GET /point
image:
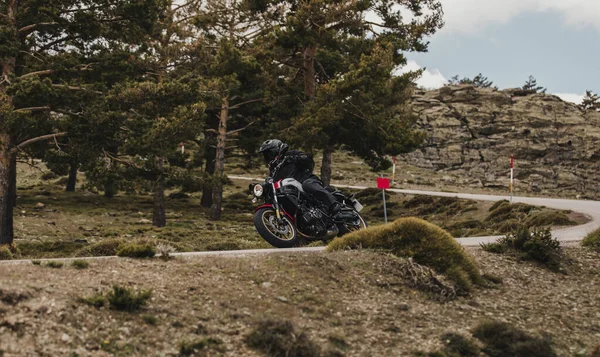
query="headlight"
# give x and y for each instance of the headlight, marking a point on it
(258, 190)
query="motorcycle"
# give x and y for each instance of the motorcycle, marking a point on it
(290, 216)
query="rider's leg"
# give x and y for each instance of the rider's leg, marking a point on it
(315, 187)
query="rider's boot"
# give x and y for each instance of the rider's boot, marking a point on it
(335, 210)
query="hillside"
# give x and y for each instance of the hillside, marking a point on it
(353, 303)
(471, 133)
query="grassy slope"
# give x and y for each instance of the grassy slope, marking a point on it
(68, 222)
(356, 297)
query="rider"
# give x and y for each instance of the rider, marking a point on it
(284, 163)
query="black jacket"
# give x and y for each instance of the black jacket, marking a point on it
(294, 164)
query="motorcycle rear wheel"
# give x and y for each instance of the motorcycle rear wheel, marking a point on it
(281, 234)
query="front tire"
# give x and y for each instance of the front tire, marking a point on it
(281, 234)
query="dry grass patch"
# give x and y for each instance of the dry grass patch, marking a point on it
(279, 338)
(592, 240)
(424, 242)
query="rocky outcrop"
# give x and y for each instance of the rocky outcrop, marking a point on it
(471, 133)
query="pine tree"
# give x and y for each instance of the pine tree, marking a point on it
(591, 101)
(48, 53)
(531, 85)
(322, 42)
(479, 81)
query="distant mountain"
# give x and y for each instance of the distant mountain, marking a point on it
(473, 131)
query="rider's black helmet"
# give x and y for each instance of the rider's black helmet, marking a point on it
(272, 148)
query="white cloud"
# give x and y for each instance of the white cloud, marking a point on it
(570, 97)
(470, 16)
(430, 79)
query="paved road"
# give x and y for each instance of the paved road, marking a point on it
(590, 208)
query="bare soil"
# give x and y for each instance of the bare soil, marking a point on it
(356, 297)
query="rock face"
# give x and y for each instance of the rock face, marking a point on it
(471, 133)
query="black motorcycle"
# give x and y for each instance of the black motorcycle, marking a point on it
(290, 216)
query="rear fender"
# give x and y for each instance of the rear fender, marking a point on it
(268, 205)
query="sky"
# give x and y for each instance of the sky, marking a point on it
(556, 41)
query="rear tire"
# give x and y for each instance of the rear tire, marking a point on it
(280, 236)
(345, 228)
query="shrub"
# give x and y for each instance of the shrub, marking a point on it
(165, 250)
(96, 300)
(36, 262)
(135, 250)
(549, 218)
(280, 339)
(504, 340)
(106, 247)
(124, 299)
(55, 264)
(80, 264)
(190, 348)
(592, 240)
(538, 246)
(498, 204)
(5, 253)
(426, 243)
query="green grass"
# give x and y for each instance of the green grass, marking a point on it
(125, 299)
(55, 264)
(135, 250)
(592, 240)
(504, 340)
(80, 264)
(426, 243)
(97, 300)
(200, 347)
(279, 338)
(5, 253)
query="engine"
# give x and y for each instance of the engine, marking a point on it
(311, 222)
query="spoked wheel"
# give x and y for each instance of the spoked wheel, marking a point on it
(279, 233)
(357, 224)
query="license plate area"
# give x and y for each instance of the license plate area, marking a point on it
(357, 206)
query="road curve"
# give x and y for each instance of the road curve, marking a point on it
(577, 233)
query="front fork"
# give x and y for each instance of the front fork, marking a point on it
(276, 203)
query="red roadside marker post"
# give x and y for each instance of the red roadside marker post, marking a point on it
(383, 184)
(512, 168)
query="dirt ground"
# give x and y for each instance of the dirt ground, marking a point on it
(355, 302)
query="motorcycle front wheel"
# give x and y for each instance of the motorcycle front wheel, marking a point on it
(279, 233)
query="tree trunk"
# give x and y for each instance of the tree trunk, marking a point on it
(110, 188)
(309, 72)
(326, 166)
(6, 199)
(159, 219)
(207, 191)
(13, 179)
(215, 213)
(72, 180)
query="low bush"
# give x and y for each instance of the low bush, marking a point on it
(136, 250)
(97, 300)
(498, 204)
(549, 218)
(5, 253)
(150, 319)
(106, 247)
(202, 345)
(280, 339)
(80, 264)
(592, 240)
(538, 246)
(501, 339)
(125, 299)
(415, 238)
(55, 264)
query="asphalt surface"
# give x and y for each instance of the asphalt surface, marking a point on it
(577, 233)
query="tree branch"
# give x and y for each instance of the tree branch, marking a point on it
(32, 109)
(246, 102)
(33, 26)
(38, 73)
(75, 88)
(238, 130)
(33, 140)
